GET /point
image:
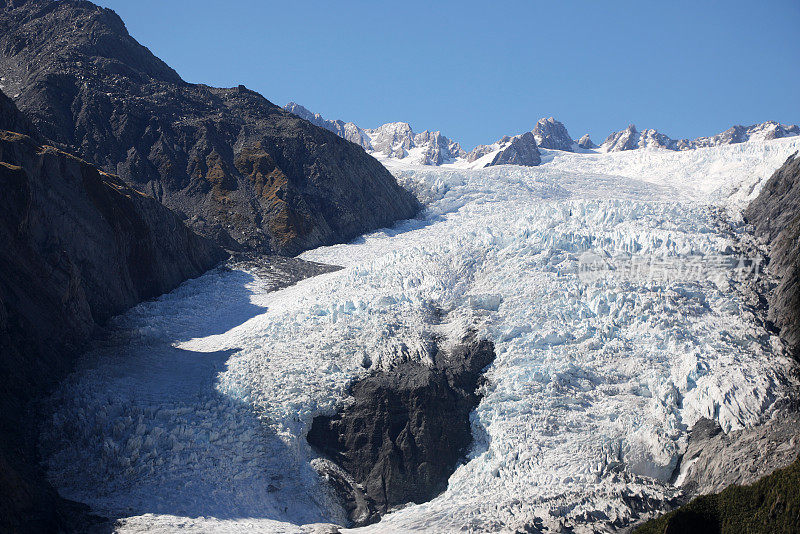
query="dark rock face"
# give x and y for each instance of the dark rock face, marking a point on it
(549, 133)
(242, 170)
(78, 246)
(775, 215)
(405, 431)
(522, 150)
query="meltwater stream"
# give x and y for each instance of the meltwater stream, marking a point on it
(192, 413)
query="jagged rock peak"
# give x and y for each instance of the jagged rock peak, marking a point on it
(396, 140)
(550, 133)
(631, 138)
(627, 139)
(346, 130)
(518, 150)
(586, 142)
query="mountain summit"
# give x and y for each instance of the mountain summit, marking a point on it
(549, 133)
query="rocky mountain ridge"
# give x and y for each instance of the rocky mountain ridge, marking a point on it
(238, 168)
(394, 139)
(397, 140)
(631, 138)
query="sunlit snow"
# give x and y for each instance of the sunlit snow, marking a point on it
(192, 413)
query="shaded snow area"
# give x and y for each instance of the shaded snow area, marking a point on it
(190, 415)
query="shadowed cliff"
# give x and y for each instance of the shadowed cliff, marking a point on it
(78, 247)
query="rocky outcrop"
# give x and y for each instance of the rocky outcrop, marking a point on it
(403, 431)
(714, 460)
(586, 142)
(438, 149)
(549, 133)
(78, 246)
(238, 168)
(775, 216)
(518, 150)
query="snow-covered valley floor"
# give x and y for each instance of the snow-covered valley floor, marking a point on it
(191, 415)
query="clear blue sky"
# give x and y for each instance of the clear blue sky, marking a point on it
(480, 70)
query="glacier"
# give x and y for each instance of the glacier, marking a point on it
(190, 413)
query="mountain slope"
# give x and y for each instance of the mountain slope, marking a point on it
(241, 169)
(775, 215)
(78, 247)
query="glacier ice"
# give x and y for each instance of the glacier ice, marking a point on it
(191, 413)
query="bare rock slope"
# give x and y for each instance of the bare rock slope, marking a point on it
(241, 170)
(775, 215)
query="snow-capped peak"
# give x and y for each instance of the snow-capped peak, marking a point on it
(631, 138)
(627, 139)
(396, 144)
(549, 133)
(395, 140)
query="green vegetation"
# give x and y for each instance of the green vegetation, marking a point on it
(771, 505)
